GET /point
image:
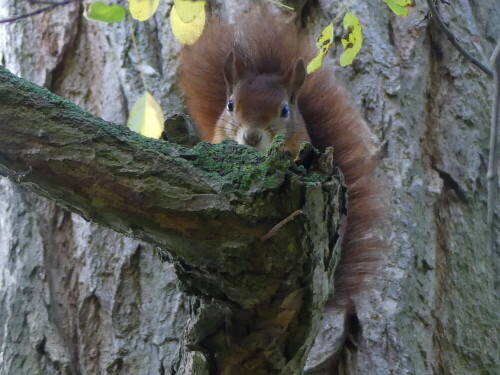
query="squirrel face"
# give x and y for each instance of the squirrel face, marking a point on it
(260, 106)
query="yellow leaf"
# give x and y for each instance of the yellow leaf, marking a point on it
(141, 10)
(146, 117)
(400, 7)
(187, 10)
(353, 41)
(324, 43)
(187, 33)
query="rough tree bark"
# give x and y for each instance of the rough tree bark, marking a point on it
(79, 298)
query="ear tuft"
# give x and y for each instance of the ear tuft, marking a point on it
(232, 71)
(297, 79)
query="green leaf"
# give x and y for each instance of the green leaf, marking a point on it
(187, 10)
(400, 7)
(324, 43)
(187, 32)
(146, 117)
(142, 10)
(353, 41)
(99, 11)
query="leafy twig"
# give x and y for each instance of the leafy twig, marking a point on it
(454, 41)
(492, 175)
(37, 11)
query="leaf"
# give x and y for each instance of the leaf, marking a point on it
(400, 7)
(99, 11)
(351, 42)
(146, 117)
(187, 10)
(142, 10)
(187, 33)
(324, 43)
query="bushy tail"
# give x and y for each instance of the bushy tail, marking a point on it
(269, 44)
(331, 121)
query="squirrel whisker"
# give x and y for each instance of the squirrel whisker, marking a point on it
(231, 122)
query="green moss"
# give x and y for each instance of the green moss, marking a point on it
(243, 168)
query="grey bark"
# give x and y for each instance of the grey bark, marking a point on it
(105, 305)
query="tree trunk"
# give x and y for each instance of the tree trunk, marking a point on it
(78, 298)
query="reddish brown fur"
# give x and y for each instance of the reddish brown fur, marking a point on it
(267, 44)
(258, 93)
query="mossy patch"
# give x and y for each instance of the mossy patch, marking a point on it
(243, 168)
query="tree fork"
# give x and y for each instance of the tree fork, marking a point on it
(258, 302)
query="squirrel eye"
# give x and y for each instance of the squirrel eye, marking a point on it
(230, 105)
(284, 111)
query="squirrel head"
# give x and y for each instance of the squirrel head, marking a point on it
(259, 106)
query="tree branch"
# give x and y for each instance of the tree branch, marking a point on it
(207, 206)
(38, 11)
(454, 41)
(492, 174)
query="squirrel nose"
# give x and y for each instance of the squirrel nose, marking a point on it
(252, 137)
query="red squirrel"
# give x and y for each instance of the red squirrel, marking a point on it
(247, 81)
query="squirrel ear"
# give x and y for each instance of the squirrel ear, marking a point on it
(297, 79)
(232, 71)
